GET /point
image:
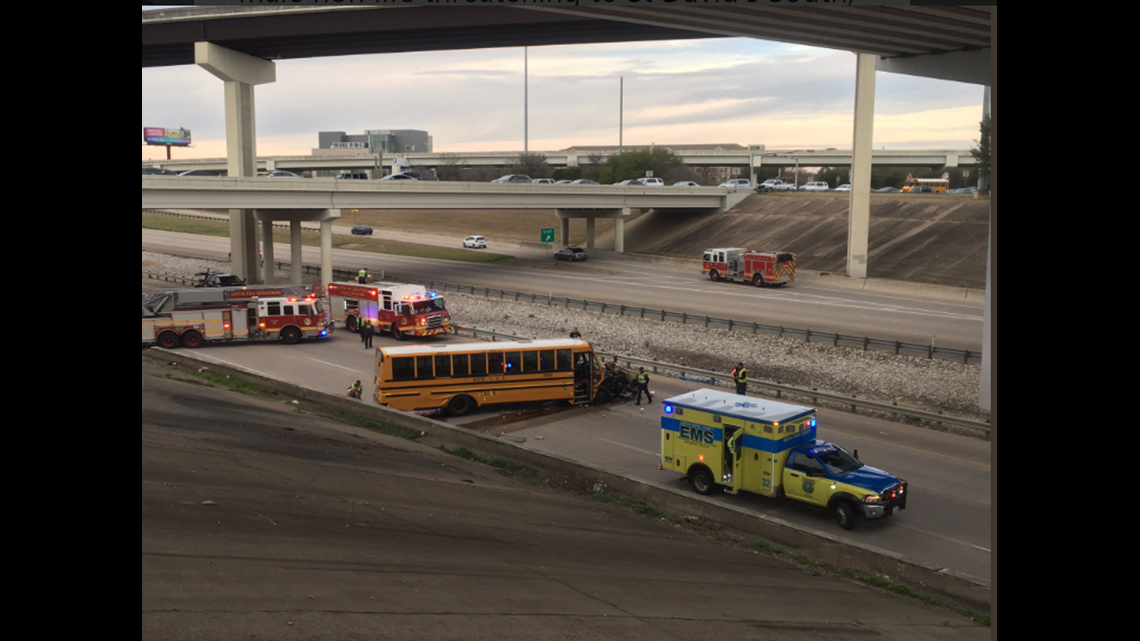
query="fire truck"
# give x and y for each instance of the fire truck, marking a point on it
(746, 266)
(193, 317)
(403, 310)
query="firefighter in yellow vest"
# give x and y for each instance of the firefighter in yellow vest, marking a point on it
(642, 385)
(362, 276)
(740, 375)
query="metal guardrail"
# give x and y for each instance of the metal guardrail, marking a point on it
(713, 377)
(898, 347)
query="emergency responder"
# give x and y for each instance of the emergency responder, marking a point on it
(740, 375)
(362, 276)
(642, 385)
(356, 391)
(574, 333)
(366, 334)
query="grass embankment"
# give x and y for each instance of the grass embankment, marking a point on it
(313, 239)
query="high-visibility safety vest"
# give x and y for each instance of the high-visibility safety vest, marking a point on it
(642, 378)
(742, 375)
(362, 273)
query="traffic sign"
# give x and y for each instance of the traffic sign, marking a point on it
(547, 235)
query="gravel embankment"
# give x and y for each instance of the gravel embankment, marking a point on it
(908, 381)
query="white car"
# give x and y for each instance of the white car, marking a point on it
(843, 188)
(652, 182)
(686, 183)
(816, 186)
(475, 242)
(543, 181)
(737, 183)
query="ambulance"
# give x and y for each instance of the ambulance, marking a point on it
(770, 448)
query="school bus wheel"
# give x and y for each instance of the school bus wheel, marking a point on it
(603, 396)
(460, 405)
(844, 515)
(701, 479)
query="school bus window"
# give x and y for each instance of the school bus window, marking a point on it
(494, 362)
(514, 362)
(546, 358)
(423, 367)
(459, 363)
(530, 361)
(403, 369)
(479, 364)
(442, 365)
(565, 362)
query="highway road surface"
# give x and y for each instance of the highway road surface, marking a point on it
(261, 523)
(612, 280)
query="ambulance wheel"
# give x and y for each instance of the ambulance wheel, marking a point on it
(844, 515)
(460, 405)
(291, 335)
(351, 325)
(758, 280)
(192, 339)
(701, 480)
(714, 275)
(168, 340)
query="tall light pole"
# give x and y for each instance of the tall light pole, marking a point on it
(526, 103)
(621, 115)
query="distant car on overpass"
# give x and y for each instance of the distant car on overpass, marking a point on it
(513, 178)
(280, 173)
(158, 171)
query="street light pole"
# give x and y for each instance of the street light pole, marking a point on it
(621, 114)
(526, 102)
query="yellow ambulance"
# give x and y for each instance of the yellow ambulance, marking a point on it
(770, 448)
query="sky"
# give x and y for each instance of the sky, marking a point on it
(727, 90)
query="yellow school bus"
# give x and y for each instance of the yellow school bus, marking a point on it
(465, 376)
(929, 185)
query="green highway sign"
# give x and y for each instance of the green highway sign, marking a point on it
(547, 235)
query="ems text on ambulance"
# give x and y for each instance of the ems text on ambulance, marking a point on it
(770, 448)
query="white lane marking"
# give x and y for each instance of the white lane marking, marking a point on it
(333, 364)
(629, 447)
(220, 361)
(943, 537)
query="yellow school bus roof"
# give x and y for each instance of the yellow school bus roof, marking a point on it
(748, 408)
(483, 346)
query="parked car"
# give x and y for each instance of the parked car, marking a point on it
(737, 183)
(686, 183)
(399, 176)
(280, 173)
(543, 181)
(844, 187)
(583, 181)
(199, 172)
(475, 242)
(362, 230)
(571, 254)
(513, 178)
(158, 171)
(218, 279)
(816, 186)
(652, 182)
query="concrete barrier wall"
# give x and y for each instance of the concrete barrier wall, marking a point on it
(817, 545)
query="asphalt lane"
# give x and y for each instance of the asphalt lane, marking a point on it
(654, 287)
(261, 523)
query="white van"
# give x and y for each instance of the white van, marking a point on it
(816, 186)
(652, 182)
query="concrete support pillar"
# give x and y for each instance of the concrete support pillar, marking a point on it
(564, 231)
(295, 251)
(268, 270)
(240, 73)
(590, 233)
(619, 232)
(859, 225)
(326, 253)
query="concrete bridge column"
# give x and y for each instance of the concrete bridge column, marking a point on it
(326, 248)
(858, 229)
(564, 232)
(267, 267)
(619, 232)
(240, 73)
(295, 251)
(590, 232)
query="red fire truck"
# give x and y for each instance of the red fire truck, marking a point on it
(403, 310)
(746, 266)
(193, 317)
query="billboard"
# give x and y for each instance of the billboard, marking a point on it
(160, 136)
